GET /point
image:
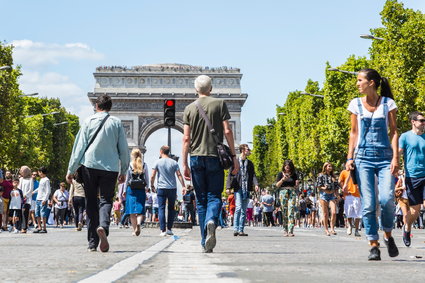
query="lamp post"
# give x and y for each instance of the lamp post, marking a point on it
(315, 95)
(5, 68)
(342, 71)
(369, 36)
(29, 94)
(46, 114)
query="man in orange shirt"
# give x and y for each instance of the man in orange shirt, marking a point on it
(352, 205)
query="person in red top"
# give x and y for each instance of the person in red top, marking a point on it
(7, 187)
(232, 205)
(352, 204)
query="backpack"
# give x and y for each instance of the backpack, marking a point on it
(137, 181)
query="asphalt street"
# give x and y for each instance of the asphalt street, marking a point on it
(264, 256)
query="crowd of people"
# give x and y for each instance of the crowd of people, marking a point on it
(350, 199)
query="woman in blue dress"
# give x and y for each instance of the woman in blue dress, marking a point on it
(137, 180)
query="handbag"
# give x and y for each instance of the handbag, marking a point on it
(79, 173)
(223, 151)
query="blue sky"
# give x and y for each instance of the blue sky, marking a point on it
(278, 45)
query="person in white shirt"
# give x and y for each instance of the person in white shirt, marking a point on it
(60, 199)
(26, 185)
(15, 206)
(43, 194)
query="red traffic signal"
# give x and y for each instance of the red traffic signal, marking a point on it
(169, 112)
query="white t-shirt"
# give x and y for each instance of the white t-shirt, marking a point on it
(62, 197)
(155, 200)
(43, 189)
(353, 107)
(15, 200)
(26, 186)
(250, 204)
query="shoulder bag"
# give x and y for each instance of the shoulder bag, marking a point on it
(223, 151)
(79, 173)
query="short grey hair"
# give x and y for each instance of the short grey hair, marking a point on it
(203, 84)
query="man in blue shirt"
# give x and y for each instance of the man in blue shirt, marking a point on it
(412, 146)
(103, 161)
(167, 169)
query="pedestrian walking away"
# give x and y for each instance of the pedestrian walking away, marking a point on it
(243, 184)
(77, 200)
(287, 184)
(137, 180)
(373, 155)
(412, 147)
(167, 169)
(101, 149)
(352, 204)
(205, 168)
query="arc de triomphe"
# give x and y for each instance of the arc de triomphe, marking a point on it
(138, 95)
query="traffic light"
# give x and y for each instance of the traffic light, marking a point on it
(169, 112)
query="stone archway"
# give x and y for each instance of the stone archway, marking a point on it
(149, 125)
(138, 95)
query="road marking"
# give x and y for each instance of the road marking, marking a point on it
(127, 265)
(186, 263)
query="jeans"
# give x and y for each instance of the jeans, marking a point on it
(165, 195)
(240, 211)
(208, 181)
(79, 204)
(367, 169)
(99, 188)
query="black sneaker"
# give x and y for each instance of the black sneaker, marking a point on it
(235, 233)
(210, 241)
(43, 231)
(36, 231)
(375, 254)
(406, 237)
(392, 248)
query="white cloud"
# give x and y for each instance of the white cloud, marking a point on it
(53, 85)
(30, 53)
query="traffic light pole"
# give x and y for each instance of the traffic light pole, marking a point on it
(169, 138)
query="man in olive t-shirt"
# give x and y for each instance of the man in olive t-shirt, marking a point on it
(206, 171)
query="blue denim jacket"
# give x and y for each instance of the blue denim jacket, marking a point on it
(108, 152)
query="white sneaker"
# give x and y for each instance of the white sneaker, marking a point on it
(349, 231)
(16, 231)
(163, 234)
(170, 233)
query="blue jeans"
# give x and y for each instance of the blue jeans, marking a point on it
(240, 211)
(367, 168)
(208, 181)
(165, 195)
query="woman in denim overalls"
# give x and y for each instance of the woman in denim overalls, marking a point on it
(374, 146)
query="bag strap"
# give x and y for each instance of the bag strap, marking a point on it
(95, 134)
(207, 121)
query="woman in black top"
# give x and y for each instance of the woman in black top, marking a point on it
(287, 182)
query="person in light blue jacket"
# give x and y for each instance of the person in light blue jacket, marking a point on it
(103, 161)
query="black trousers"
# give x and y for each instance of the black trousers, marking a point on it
(79, 204)
(99, 187)
(25, 215)
(60, 215)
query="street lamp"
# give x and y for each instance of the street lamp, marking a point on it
(51, 113)
(342, 71)
(5, 68)
(369, 36)
(60, 123)
(29, 94)
(281, 113)
(315, 95)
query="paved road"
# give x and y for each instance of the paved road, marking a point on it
(263, 256)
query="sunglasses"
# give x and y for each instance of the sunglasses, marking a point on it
(420, 120)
